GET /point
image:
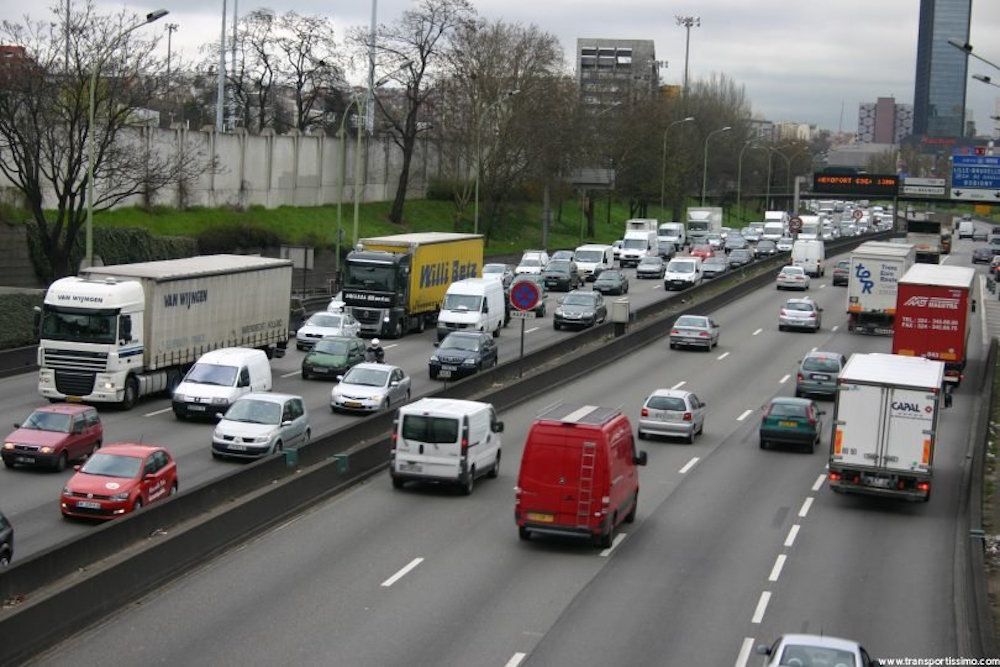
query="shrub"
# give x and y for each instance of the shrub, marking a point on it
(17, 327)
(225, 238)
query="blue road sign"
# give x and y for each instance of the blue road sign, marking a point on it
(524, 295)
(975, 177)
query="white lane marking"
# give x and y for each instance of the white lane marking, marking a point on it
(784, 379)
(722, 356)
(679, 384)
(792, 534)
(657, 286)
(746, 413)
(619, 538)
(403, 572)
(982, 305)
(822, 286)
(288, 375)
(758, 614)
(834, 327)
(744, 655)
(390, 345)
(516, 659)
(157, 412)
(814, 349)
(819, 482)
(756, 332)
(531, 329)
(288, 523)
(806, 504)
(690, 464)
(944, 259)
(779, 563)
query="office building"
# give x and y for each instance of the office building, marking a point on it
(884, 121)
(610, 72)
(939, 90)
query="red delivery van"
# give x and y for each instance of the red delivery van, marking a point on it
(578, 474)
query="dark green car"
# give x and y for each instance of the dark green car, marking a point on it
(791, 421)
(332, 356)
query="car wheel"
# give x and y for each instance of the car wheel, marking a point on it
(397, 482)
(173, 488)
(555, 325)
(406, 399)
(385, 404)
(469, 482)
(432, 375)
(495, 470)
(605, 539)
(763, 443)
(630, 517)
(690, 438)
(137, 505)
(216, 455)
(307, 437)
(278, 447)
(798, 393)
(305, 374)
(640, 434)
(4, 559)
(673, 346)
(61, 462)
(523, 533)
(781, 327)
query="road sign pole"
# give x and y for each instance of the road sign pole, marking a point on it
(520, 364)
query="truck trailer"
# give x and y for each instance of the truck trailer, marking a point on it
(396, 284)
(885, 426)
(702, 221)
(876, 268)
(934, 308)
(115, 333)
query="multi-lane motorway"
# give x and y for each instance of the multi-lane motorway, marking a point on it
(732, 546)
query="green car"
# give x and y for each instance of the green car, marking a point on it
(332, 356)
(791, 421)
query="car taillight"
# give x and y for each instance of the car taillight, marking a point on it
(703, 334)
(784, 313)
(924, 486)
(465, 446)
(645, 412)
(675, 332)
(688, 416)
(799, 377)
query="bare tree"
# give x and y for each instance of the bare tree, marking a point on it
(308, 65)
(44, 127)
(253, 74)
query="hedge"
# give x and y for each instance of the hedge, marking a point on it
(17, 326)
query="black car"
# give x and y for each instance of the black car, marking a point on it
(735, 242)
(580, 309)
(539, 282)
(561, 276)
(713, 267)
(740, 257)
(982, 255)
(766, 248)
(6, 541)
(842, 273)
(462, 353)
(611, 282)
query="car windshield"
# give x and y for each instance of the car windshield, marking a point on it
(650, 261)
(462, 302)
(331, 346)
(666, 403)
(435, 430)
(589, 256)
(787, 410)
(47, 421)
(793, 270)
(224, 376)
(690, 321)
(680, 266)
(467, 343)
(253, 411)
(112, 465)
(494, 268)
(325, 320)
(609, 277)
(579, 299)
(560, 266)
(635, 244)
(714, 261)
(844, 265)
(822, 364)
(799, 305)
(815, 656)
(369, 377)
(531, 261)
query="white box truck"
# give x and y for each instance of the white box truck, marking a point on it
(641, 225)
(810, 255)
(702, 221)
(115, 333)
(885, 426)
(872, 281)
(636, 245)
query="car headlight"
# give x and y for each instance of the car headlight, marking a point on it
(120, 496)
(8, 446)
(469, 362)
(219, 400)
(46, 450)
(559, 312)
(181, 398)
(434, 359)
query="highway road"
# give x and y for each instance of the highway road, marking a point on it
(732, 546)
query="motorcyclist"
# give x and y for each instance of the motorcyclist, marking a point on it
(375, 352)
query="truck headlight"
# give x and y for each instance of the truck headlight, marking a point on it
(109, 385)
(385, 319)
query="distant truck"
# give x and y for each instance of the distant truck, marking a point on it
(641, 225)
(811, 228)
(116, 333)
(672, 232)
(924, 233)
(934, 308)
(885, 426)
(396, 284)
(702, 221)
(874, 274)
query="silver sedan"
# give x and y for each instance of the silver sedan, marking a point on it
(672, 412)
(370, 387)
(694, 331)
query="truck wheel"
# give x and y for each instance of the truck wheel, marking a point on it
(130, 394)
(397, 331)
(421, 324)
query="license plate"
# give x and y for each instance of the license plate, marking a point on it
(787, 424)
(878, 482)
(73, 399)
(449, 368)
(320, 370)
(236, 446)
(541, 518)
(24, 459)
(352, 404)
(817, 376)
(87, 505)
(444, 373)
(196, 408)
(407, 466)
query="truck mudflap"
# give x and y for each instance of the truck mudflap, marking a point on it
(904, 486)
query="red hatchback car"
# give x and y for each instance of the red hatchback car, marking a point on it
(704, 251)
(53, 436)
(119, 479)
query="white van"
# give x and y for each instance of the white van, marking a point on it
(810, 255)
(445, 440)
(773, 230)
(966, 229)
(475, 304)
(218, 378)
(636, 245)
(672, 232)
(593, 258)
(682, 273)
(532, 261)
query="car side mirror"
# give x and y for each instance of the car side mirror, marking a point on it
(436, 343)
(16, 425)
(77, 467)
(77, 428)
(498, 427)
(339, 378)
(287, 422)
(640, 460)
(218, 416)
(763, 649)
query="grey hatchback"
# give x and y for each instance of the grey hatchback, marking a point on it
(818, 373)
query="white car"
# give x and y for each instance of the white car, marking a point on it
(806, 650)
(800, 314)
(370, 387)
(325, 324)
(785, 244)
(260, 424)
(532, 261)
(792, 277)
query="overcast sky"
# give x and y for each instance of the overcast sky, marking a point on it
(800, 60)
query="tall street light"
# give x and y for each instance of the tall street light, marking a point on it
(985, 79)
(749, 143)
(967, 48)
(687, 22)
(98, 62)
(704, 169)
(343, 167)
(663, 169)
(479, 152)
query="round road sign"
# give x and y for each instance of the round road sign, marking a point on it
(795, 225)
(524, 295)
(858, 214)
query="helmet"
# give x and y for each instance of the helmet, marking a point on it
(375, 342)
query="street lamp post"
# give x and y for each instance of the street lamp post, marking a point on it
(343, 168)
(687, 22)
(739, 180)
(89, 234)
(663, 170)
(704, 169)
(985, 79)
(479, 154)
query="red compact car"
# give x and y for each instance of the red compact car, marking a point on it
(53, 436)
(704, 251)
(118, 479)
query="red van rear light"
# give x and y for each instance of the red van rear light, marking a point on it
(688, 416)
(606, 501)
(645, 412)
(925, 487)
(834, 476)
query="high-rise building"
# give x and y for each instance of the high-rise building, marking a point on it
(939, 90)
(884, 121)
(610, 72)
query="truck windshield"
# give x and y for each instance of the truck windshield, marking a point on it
(697, 226)
(379, 277)
(462, 302)
(84, 325)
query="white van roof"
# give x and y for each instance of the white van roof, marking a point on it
(439, 407)
(230, 356)
(471, 285)
(593, 246)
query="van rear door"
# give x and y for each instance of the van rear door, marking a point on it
(549, 478)
(429, 445)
